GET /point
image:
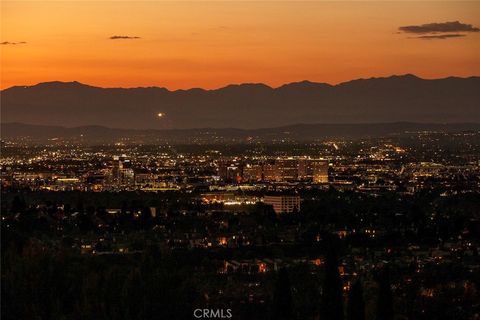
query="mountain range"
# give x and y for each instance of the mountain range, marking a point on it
(404, 98)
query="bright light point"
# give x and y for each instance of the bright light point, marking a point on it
(161, 114)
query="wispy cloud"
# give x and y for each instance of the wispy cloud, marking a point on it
(452, 26)
(439, 30)
(6, 43)
(124, 37)
(440, 36)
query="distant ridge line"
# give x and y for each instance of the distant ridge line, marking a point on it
(293, 83)
(293, 133)
(293, 125)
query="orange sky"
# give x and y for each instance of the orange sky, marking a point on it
(211, 44)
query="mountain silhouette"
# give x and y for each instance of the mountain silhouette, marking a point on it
(405, 98)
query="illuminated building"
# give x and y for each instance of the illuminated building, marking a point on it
(314, 170)
(122, 173)
(283, 203)
(252, 173)
(287, 169)
(229, 171)
(270, 172)
(320, 171)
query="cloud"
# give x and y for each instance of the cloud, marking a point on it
(439, 27)
(440, 36)
(5, 43)
(123, 37)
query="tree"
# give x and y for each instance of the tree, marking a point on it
(356, 304)
(282, 297)
(18, 205)
(385, 297)
(332, 306)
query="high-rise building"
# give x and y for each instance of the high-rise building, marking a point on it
(270, 172)
(287, 169)
(122, 173)
(229, 172)
(252, 173)
(320, 171)
(314, 170)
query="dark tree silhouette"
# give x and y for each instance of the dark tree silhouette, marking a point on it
(356, 304)
(385, 297)
(18, 205)
(332, 306)
(282, 297)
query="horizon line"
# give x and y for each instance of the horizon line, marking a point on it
(243, 83)
(246, 129)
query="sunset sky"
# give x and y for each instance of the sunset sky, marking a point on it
(211, 44)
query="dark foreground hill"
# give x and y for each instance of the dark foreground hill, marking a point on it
(377, 100)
